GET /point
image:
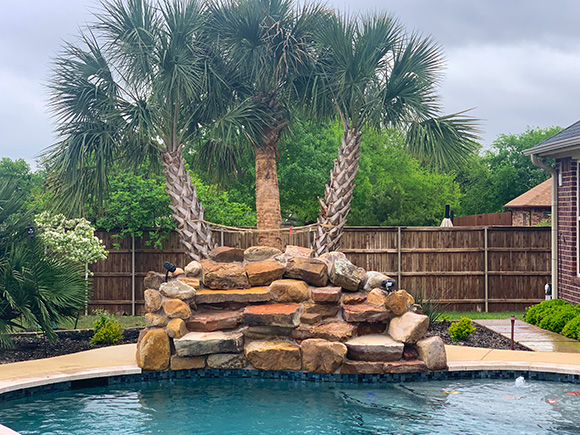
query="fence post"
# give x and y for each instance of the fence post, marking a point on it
(399, 257)
(486, 284)
(222, 236)
(132, 275)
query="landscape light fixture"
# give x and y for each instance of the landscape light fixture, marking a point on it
(30, 231)
(170, 268)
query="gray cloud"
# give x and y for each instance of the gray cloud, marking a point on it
(515, 62)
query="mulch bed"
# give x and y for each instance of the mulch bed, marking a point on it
(36, 346)
(482, 337)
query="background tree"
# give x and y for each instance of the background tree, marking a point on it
(136, 88)
(371, 74)
(502, 173)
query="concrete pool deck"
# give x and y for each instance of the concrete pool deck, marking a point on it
(120, 360)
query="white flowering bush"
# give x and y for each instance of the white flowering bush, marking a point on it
(73, 239)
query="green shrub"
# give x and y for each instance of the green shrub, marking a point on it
(556, 318)
(461, 330)
(431, 307)
(572, 328)
(107, 329)
(536, 313)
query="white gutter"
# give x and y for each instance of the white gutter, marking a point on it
(554, 175)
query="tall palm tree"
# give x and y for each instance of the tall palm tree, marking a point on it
(373, 75)
(137, 87)
(268, 45)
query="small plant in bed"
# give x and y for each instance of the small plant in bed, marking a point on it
(461, 330)
(107, 329)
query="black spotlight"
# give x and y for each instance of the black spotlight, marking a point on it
(30, 231)
(170, 268)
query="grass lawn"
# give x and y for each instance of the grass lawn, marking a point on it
(86, 322)
(473, 315)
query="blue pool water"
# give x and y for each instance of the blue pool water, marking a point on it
(255, 406)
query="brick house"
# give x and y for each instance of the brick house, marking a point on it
(533, 206)
(564, 147)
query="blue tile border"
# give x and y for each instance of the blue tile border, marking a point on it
(288, 376)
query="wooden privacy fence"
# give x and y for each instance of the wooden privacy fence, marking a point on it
(469, 268)
(503, 218)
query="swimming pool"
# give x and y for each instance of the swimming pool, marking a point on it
(246, 406)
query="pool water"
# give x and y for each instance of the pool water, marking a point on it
(255, 406)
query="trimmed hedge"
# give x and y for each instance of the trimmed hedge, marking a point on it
(556, 315)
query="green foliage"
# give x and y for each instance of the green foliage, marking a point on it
(572, 328)
(136, 204)
(490, 180)
(462, 329)
(34, 289)
(28, 183)
(107, 329)
(556, 318)
(535, 313)
(392, 188)
(220, 209)
(431, 307)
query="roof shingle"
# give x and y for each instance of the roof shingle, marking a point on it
(539, 196)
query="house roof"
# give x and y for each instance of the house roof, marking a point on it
(539, 196)
(567, 138)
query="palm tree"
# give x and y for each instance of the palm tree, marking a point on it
(35, 290)
(373, 75)
(268, 45)
(137, 87)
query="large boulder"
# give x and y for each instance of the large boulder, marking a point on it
(153, 280)
(365, 313)
(153, 300)
(224, 276)
(374, 347)
(177, 289)
(346, 275)
(206, 343)
(176, 309)
(155, 321)
(409, 328)
(193, 269)
(373, 280)
(330, 257)
(322, 356)
(154, 350)
(214, 321)
(242, 296)
(176, 328)
(274, 355)
(289, 290)
(284, 315)
(432, 352)
(354, 298)
(361, 367)
(230, 361)
(260, 253)
(298, 251)
(377, 297)
(311, 270)
(264, 272)
(326, 295)
(399, 302)
(332, 331)
(226, 254)
(187, 363)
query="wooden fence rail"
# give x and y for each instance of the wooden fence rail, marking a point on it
(469, 268)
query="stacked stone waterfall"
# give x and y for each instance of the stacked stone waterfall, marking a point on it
(264, 309)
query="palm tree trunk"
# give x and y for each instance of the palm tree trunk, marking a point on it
(268, 196)
(338, 196)
(194, 234)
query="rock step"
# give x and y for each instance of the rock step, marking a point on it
(374, 347)
(205, 343)
(245, 296)
(214, 321)
(365, 313)
(332, 331)
(285, 315)
(350, 367)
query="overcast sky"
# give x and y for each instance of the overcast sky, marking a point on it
(515, 62)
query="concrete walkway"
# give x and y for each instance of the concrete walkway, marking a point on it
(533, 337)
